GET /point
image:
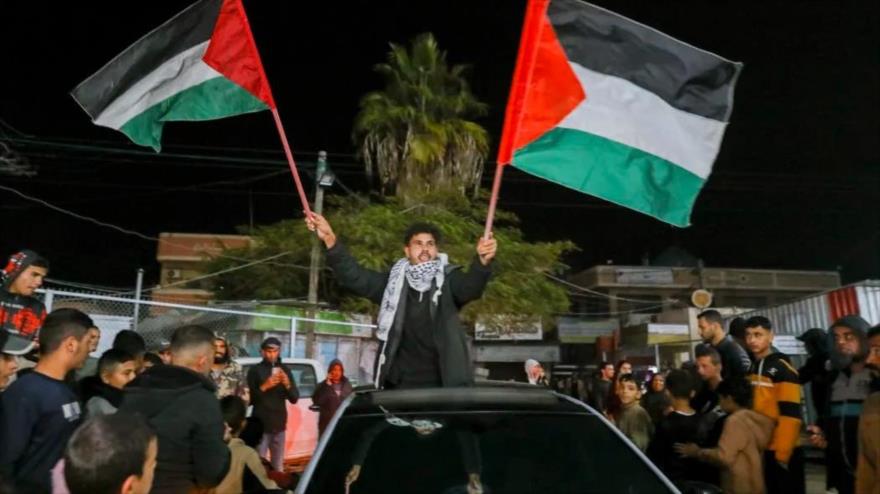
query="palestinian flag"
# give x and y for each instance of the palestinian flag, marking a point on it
(200, 65)
(613, 108)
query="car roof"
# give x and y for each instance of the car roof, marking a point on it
(485, 396)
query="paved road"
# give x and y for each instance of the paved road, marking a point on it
(815, 474)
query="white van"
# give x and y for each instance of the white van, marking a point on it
(302, 421)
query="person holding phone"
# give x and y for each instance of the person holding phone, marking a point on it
(331, 393)
(271, 385)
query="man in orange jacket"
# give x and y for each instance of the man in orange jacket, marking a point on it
(777, 394)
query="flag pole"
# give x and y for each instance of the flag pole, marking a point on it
(493, 200)
(239, 8)
(299, 186)
(525, 64)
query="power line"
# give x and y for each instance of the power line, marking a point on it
(78, 216)
(176, 283)
(159, 190)
(165, 156)
(748, 177)
(156, 190)
(224, 149)
(134, 233)
(216, 273)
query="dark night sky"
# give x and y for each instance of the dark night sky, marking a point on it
(796, 184)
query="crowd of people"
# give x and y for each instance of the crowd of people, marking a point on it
(158, 427)
(733, 417)
(184, 399)
(171, 420)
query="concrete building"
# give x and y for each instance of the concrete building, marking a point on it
(182, 257)
(645, 313)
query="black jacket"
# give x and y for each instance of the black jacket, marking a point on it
(676, 428)
(270, 407)
(816, 373)
(656, 404)
(599, 394)
(181, 407)
(92, 386)
(459, 288)
(734, 360)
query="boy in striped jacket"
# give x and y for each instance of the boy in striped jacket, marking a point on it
(777, 394)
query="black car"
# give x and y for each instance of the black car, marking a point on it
(494, 439)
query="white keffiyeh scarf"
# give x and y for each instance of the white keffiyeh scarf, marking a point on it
(420, 277)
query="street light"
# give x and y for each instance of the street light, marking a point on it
(327, 179)
(324, 178)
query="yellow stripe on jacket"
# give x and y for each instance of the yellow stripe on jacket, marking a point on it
(777, 394)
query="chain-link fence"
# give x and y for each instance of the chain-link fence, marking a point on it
(348, 338)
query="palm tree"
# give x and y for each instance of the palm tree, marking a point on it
(416, 131)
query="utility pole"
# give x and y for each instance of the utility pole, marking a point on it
(323, 179)
(139, 285)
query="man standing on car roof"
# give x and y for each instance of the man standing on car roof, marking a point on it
(271, 384)
(423, 341)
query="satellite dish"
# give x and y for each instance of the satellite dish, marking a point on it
(701, 298)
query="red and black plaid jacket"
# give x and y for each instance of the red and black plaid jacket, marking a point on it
(20, 314)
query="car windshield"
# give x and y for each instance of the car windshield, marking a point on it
(305, 378)
(512, 452)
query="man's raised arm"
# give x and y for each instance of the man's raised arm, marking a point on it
(351, 275)
(469, 286)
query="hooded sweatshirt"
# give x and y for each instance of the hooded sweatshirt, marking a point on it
(815, 371)
(739, 452)
(329, 396)
(18, 313)
(179, 404)
(847, 394)
(777, 394)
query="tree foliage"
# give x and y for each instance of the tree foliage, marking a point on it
(416, 132)
(374, 235)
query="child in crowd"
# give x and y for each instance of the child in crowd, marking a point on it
(745, 436)
(102, 393)
(244, 458)
(681, 425)
(108, 454)
(632, 419)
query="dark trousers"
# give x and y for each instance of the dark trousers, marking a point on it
(841, 455)
(781, 480)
